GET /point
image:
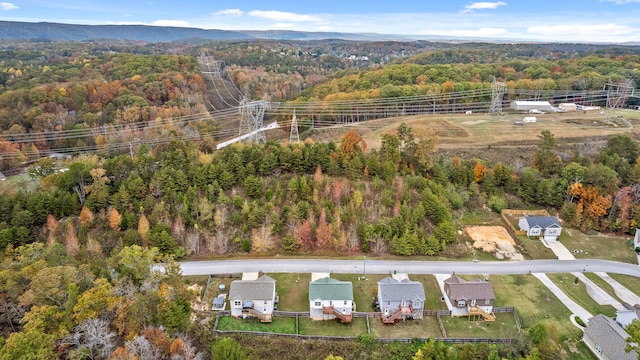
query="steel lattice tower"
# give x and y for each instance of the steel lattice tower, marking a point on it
(617, 96)
(253, 116)
(294, 137)
(498, 90)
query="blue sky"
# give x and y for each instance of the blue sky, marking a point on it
(542, 20)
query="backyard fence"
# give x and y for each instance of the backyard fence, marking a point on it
(435, 313)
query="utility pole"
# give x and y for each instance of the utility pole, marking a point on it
(497, 94)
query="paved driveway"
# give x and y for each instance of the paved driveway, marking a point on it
(570, 304)
(622, 292)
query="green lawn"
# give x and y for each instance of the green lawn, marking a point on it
(293, 290)
(534, 248)
(578, 293)
(364, 291)
(408, 329)
(280, 325)
(432, 292)
(332, 327)
(608, 247)
(503, 327)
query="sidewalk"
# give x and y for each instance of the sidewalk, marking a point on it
(570, 304)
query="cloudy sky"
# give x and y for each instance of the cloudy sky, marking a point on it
(542, 20)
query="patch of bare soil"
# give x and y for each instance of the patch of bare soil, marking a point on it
(494, 239)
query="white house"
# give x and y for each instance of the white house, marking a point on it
(253, 298)
(520, 105)
(546, 227)
(331, 299)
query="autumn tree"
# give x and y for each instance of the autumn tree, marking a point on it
(114, 219)
(71, 240)
(352, 144)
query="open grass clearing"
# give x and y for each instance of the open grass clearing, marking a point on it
(293, 291)
(599, 246)
(533, 302)
(407, 329)
(534, 249)
(364, 291)
(280, 325)
(307, 326)
(503, 327)
(578, 293)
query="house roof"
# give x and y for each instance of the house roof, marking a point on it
(390, 289)
(460, 289)
(261, 289)
(542, 221)
(610, 336)
(330, 289)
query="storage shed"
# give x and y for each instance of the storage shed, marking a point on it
(531, 105)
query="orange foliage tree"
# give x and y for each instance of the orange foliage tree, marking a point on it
(479, 171)
(352, 144)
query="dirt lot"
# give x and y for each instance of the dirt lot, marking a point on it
(494, 239)
(496, 138)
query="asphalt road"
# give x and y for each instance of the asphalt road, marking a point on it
(370, 266)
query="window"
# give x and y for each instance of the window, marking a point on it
(461, 303)
(237, 303)
(345, 302)
(317, 304)
(598, 349)
(416, 304)
(487, 301)
(265, 302)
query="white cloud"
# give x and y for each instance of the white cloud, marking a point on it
(483, 5)
(282, 25)
(230, 12)
(325, 28)
(580, 31)
(173, 23)
(484, 32)
(282, 16)
(8, 6)
(621, 2)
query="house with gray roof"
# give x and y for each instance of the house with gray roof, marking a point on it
(625, 316)
(607, 339)
(545, 227)
(253, 298)
(400, 299)
(331, 299)
(470, 298)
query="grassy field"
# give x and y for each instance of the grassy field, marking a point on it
(280, 325)
(293, 290)
(599, 246)
(332, 327)
(408, 329)
(534, 248)
(364, 291)
(578, 293)
(503, 327)
(22, 182)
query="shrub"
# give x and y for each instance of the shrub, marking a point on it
(497, 203)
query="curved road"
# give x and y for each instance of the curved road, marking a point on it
(370, 266)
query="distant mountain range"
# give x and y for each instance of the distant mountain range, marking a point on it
(71, 32)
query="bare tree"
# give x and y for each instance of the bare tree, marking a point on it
(94, 335)
(143, 349)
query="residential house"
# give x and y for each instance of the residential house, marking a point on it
(331, 299)
(400, 299)
(470, 298)
(625, 316)
(546, 227)
(253, 298)
(607, 339)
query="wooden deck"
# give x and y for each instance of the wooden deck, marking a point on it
(265, 318)
(344, 318)
(397, 315)
(476, 311)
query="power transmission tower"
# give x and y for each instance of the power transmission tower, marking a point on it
(212, 67)
(497, 94)
(293, 136)
(617, 96)
(253, 116)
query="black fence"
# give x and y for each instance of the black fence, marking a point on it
(374, 315)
